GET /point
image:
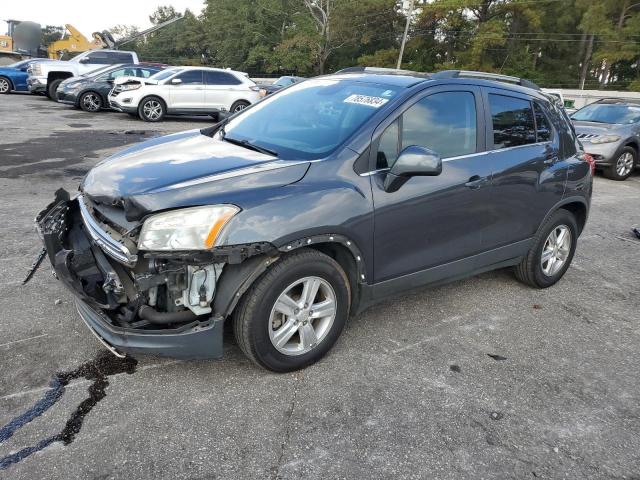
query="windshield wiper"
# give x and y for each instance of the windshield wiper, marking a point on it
(250, 146)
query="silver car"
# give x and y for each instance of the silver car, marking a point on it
(609, 130)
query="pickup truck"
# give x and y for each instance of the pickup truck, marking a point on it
(45, 77)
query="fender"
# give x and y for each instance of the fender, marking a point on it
(560, 204)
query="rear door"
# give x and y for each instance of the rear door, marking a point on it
(431, 221)
(221, 89)
(529, 177)
(189, 94)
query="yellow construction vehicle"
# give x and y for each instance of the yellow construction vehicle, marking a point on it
(73, 42)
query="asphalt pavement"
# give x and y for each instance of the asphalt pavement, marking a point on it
(481, 378)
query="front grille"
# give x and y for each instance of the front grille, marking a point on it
(586, 136)
(106, 243)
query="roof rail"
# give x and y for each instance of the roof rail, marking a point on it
(484, 75)
(384, 71)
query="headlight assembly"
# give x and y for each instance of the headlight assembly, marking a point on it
(193, 228)
(606, 139)
(129, 86)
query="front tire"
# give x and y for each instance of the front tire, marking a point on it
(91, 102)
(238, 106)
(551, 253)
(294, 313)
(623, 166)
(152, 109)
(52, 89)
(5, 86)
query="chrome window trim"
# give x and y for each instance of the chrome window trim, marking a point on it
(468, 155)
(103, 240)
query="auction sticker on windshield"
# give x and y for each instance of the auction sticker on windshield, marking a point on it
(375, 102)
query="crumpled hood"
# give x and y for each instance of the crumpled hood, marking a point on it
(129, 78)
(186, 168)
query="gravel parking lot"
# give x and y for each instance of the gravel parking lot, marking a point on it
(481, 378)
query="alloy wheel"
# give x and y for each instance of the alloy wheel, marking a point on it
(91, 102)
(239, 108)
(152, 109)
(556, 250)
(624, 165)
(302, 316)
(4, 85)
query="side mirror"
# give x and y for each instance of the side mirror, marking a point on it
(176, 81)
(85, 60)
(413, 161)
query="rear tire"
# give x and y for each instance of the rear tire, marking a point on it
(5, 86)
(152, 109)
(91, 102)
(261, 326)
(534, 270)
(52, 88)
(624, 165)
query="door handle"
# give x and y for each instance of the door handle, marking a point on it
(476, 182)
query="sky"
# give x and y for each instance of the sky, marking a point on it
(89, 16)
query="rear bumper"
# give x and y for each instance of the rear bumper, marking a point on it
(198, 339)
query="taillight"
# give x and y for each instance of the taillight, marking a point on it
(585, 157)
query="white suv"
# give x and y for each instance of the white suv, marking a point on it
(183, 91)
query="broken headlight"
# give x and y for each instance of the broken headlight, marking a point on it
(193, 228)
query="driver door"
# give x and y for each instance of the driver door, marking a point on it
(189, 94)
(432, 221)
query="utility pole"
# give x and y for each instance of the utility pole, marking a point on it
(406, 31)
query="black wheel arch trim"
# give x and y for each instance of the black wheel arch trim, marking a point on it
(236, 279)
(564, 202)
(329, 238)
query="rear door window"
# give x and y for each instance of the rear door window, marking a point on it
(513, 123)
(220, 78)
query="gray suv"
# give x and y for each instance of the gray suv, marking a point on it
(609, 130)
(312, 205)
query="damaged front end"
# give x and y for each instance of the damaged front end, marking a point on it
(165, 302)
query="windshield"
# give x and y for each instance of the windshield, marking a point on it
(310, 119)
(608, 113)
(165, 74)
(284, 81)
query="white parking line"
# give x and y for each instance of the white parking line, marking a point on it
(23, 340)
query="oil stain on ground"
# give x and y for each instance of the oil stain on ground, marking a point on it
(97, 370)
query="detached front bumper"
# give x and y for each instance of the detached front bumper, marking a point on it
(189, 342)
(62, 232)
